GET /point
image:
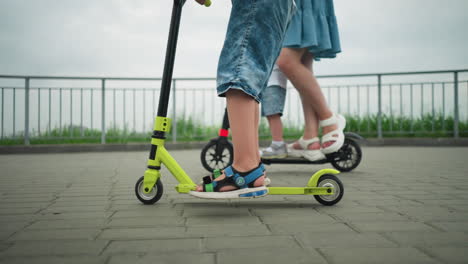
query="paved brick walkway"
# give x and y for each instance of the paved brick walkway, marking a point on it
(401, 205)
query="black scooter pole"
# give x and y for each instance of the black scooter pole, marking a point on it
(170, 57)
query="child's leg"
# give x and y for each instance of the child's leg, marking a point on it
(276, 127)
(252, 44)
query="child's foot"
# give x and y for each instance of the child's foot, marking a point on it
(234, 184)
(275, 151)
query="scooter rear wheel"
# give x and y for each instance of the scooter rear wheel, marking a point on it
(348, 157)
(148, 198)
(217, 155)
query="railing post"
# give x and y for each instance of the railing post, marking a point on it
(455, 102)
(379, 114)
(26, 112)
(103, 111)
(3, 107)
(174, 106)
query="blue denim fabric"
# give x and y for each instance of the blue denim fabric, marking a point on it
(253, 41)
(273, 99)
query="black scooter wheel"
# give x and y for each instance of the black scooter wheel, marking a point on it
(217, 155)
(348, 157)
(148, 198)
(329, 180)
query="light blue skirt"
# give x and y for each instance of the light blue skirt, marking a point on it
(314, 27)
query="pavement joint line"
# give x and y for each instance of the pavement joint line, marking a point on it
(386, 236)
(298, 242)
(435, 227)
(324, 256)
(105, 247)
(337, 218)
(355, 229)
(107, 259)
(428, 253)
(203, 247)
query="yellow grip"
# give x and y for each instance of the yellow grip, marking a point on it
(207, 3)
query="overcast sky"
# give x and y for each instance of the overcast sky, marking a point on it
(128, 37)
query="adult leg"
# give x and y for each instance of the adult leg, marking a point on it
(290, 62)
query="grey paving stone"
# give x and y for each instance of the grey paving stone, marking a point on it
(75, 209)
(312, 228)
(142, 233)
(13, 225)
(51, 234)
(100, 188)
(429, 239)
(450, 255)
(371, 217)
(343, 240)
(82, 199)
(298, 220)
(4, 234)
(147, 222)
(10, 199)
(16, 218)
(55, 248)
(201, 258)
(74, 215)
(4, 246)
(230, 230)
(357, 209)
(388, 202)
(154, 246)
(270, 255)
(448, 217)
(447, 202)
(452, 226)
(73, 203)
(146, 212)
(86, 223)
(285, 211)
(225, 212)
(22, 210)
(376, 255)
(221, 220)
(386, 226)
(38, 205)
(53, 260)
(218, 243)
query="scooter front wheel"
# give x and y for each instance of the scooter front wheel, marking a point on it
(217, 155)
(148, 198)
(329, 180)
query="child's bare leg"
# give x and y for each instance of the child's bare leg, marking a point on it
(276, 127)
(243, 113)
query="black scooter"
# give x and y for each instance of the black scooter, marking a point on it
(218, 153)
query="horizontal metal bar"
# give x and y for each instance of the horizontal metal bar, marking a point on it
(210, 78)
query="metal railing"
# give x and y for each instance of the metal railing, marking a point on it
(79, 107)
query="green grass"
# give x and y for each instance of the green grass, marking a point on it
(190, 130)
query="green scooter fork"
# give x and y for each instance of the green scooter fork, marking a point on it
(159, 155)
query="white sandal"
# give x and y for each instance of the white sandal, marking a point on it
(309, 154)
(336, 135)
